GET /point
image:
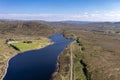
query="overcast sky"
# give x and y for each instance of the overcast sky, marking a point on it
(57, 10)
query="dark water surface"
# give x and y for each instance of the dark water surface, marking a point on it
(37, 64)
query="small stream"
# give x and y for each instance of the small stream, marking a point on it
(37, 64)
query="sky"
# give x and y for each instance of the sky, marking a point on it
(58, 10)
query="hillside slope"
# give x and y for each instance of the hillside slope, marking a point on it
(26, 28)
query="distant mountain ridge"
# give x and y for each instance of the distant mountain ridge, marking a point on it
(76, 22)
(39, 27)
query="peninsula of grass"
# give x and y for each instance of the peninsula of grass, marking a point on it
(29, 45)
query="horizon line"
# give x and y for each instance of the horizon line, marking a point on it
(52, 21)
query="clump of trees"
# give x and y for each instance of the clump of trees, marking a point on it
(28, 42)
(16, 48)
(80, 43)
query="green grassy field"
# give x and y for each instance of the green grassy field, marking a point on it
(30, 46)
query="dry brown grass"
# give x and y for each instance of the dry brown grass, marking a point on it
(5, 53)
(63, 72)
(102, 54)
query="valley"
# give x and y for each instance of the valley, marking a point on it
(95, 51)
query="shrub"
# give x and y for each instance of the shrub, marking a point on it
(82, 48)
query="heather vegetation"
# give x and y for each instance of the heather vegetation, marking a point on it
(100, 54)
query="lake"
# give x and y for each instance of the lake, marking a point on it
(37, 64)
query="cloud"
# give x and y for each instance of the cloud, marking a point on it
(95, 16)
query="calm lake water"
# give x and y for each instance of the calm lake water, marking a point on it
(37, 64)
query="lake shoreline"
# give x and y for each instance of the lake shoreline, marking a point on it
(61, 48)
(7, 62)
(56, 75)
(7, 65)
